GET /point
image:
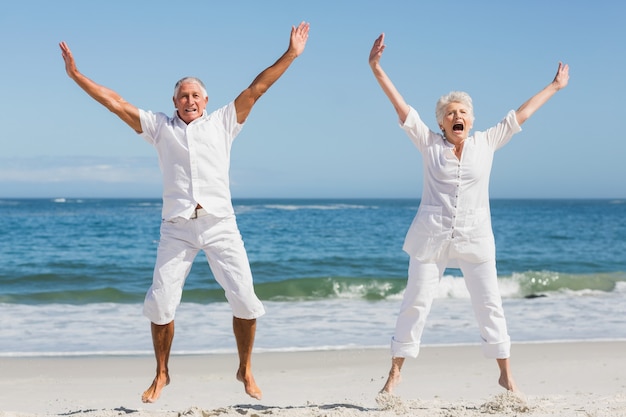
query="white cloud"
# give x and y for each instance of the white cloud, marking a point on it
(80, 169)
(80, 177)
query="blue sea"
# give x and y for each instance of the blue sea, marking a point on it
(331, 273)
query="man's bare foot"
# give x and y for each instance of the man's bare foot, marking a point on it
(249, 384)
(154, 392)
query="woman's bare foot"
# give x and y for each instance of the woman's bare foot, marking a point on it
(507, 383)
(154, 392)
(392, 381)
(249, 384)
(506, 380)
(394, 377)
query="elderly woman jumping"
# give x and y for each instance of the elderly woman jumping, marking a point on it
(452, 228)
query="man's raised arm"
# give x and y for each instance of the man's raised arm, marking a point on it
(263, 81)
(103, 95)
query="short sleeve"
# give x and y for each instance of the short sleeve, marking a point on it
(227, 116)
(149, 122)
(501, 134)
(417, 130)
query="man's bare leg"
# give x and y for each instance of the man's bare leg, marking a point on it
(162, 337)
(506, 377)
(394, 375)
(245, 331)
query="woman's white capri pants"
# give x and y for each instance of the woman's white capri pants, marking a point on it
(482, 283)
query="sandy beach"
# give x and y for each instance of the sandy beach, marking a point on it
(558, 379)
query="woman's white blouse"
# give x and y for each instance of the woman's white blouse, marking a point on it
(454, 210)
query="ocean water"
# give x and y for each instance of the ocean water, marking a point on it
(331, 273)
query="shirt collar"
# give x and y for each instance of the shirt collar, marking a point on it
(178, 120)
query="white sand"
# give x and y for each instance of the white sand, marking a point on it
(558, 379)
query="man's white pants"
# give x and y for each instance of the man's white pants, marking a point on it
(181, 240)
(482, 283)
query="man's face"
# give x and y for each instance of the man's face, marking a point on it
(457, 122)
(190, 101)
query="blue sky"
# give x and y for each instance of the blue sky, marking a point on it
(325, 129)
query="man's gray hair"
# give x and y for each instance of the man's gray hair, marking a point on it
(190, 80)
(453, 97)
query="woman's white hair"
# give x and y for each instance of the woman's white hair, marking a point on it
(453, 97)
(190, 80)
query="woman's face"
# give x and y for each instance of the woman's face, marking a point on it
(457, 122)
